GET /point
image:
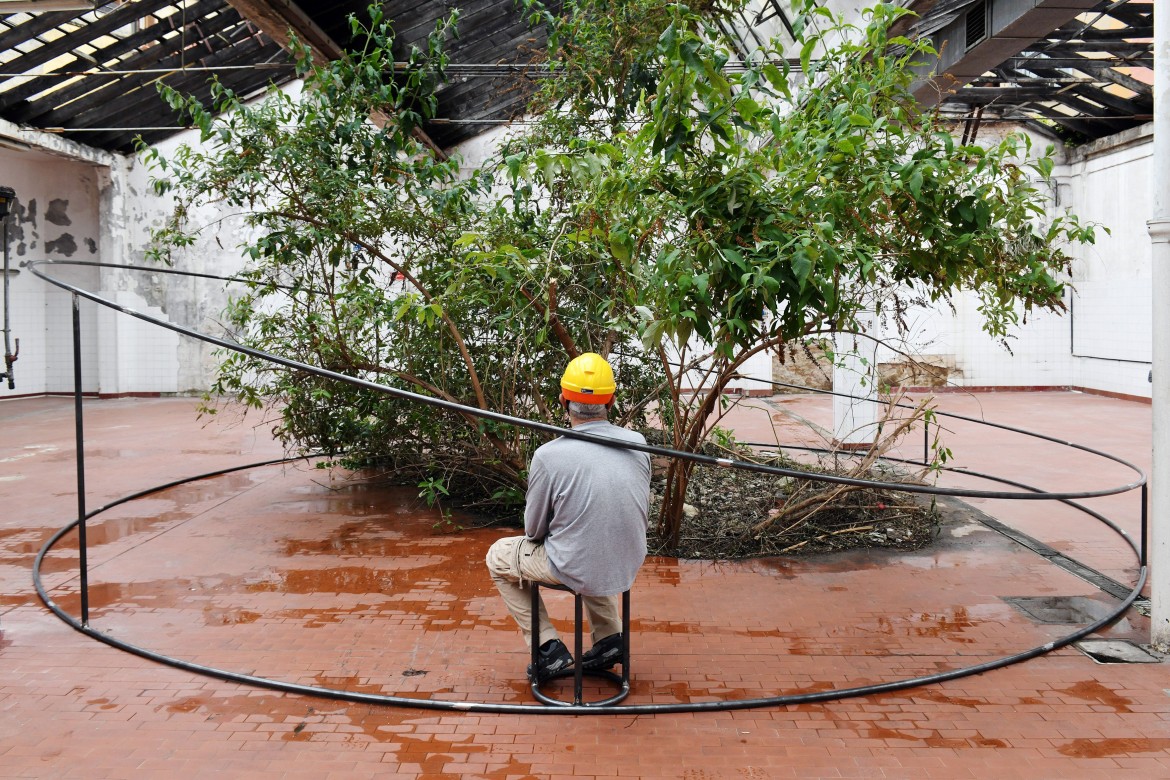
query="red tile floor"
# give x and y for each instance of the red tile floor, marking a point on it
(306, 576)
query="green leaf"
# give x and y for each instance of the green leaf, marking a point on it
(668, 40)
(806, 53)
(621, 246)
(513, 161)
(549, 166)
(747, 107)
(801, 267)
(775, 76)
(732, 203)
(652, 335)
(915, 184)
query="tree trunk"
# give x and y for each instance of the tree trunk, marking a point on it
(670, 517)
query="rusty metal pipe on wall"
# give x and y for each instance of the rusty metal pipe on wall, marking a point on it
(7, 196)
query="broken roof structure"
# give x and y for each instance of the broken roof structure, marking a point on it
(1078, 69)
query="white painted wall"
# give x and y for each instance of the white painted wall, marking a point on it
(1102, 342)
(55, 217)
(102, 209)
(81, 204)
(1109, 182)
(190, 302)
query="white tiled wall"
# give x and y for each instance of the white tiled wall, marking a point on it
(27, 325)
(42, 319)
(66, 210)
(1110, 183)
(55, 217)
(56, 343)
(1112, 320)
(1103, 341)
(136, 355)
(1102, 344)
(1036, 355)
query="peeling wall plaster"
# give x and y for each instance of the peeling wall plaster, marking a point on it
(102, 207)
(22, 226)
(53, 216)
(58, 212)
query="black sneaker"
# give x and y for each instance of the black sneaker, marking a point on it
(605, 654)
(554, 657)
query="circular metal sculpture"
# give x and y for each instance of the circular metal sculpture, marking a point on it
(1024, 492)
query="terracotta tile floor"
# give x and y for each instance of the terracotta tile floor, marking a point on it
(301, 575)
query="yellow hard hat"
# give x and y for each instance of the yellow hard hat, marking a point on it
(588, 379)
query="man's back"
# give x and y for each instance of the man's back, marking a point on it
(589, 503)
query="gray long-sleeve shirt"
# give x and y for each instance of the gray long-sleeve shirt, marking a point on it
(589, 503)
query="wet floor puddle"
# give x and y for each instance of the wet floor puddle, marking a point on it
(351, 554)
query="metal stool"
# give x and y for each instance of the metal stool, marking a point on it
(622, 680)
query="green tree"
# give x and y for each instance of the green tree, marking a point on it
(358, 263)
(667, 209)
(741, 210)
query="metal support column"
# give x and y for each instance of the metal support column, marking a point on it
(7, 196)
(83, 562)
(1159, 227)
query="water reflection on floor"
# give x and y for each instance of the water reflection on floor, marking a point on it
(312, 576)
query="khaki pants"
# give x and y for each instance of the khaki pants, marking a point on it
(515, 560)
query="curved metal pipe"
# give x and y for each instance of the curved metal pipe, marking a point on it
(486, 414)
(538, 709)
(977, 421)
(1125, 535)
(780, 700)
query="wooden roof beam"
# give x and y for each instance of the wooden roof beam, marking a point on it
(124, 52)
(276, 18)
(86, 33)
(31, 28)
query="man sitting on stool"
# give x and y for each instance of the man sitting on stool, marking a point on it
(584, 523)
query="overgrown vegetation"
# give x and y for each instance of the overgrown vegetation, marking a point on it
(671, 208)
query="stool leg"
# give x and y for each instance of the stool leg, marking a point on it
(535, 631)
(579, 673)
(626, 638)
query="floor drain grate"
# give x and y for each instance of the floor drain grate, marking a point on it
(1063, 610)
(1116, 651)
